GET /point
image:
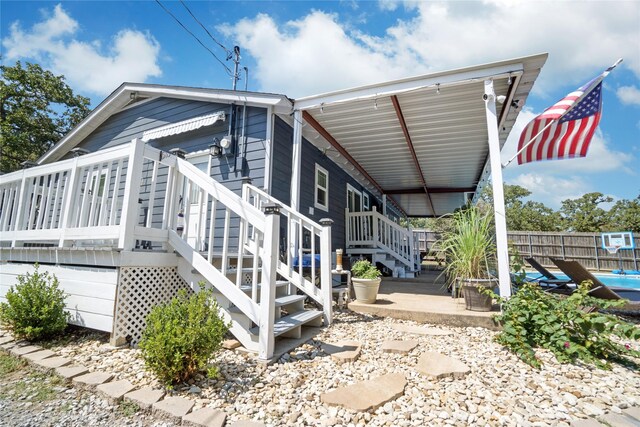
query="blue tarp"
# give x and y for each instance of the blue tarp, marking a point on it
(306, 261)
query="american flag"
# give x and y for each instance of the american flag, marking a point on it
(565, 129)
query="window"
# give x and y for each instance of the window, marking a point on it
(354, 199)
(365, 201)
(322, 189)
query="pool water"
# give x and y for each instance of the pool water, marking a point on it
(611, 280)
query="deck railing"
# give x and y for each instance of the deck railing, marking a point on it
(134, 195)
(372, 229)
(305, 249)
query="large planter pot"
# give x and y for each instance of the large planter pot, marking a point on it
(366, 290)
(474, 299)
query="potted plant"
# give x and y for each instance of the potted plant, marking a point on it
(366, 281)
(471, 256)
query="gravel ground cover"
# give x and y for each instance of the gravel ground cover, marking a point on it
(500, 390)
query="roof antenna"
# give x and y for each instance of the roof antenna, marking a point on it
(246, 78)
(236, 62)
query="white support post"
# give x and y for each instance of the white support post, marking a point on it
(296, 167)
(129, 216)
(498, 190)
(68, 195)
(325, 271)
(268, 282)
(384, 204)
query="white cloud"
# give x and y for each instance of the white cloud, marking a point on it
(389, 5)
(629, 95)
(552, 190)
(87, 66)
(581, 37)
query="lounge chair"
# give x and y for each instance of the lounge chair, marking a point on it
(547, 279)
(576, 272)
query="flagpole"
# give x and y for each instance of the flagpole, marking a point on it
(529, 143)
(602, 76)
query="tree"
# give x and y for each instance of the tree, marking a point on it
(625, 216)
(584, 214)
(526, 216)
(37, 108)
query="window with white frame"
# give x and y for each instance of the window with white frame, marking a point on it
(321, 200)
(365, 201)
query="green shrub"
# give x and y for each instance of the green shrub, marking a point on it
(364, 270)
(567, 326)
(35, 307)
(181, 336)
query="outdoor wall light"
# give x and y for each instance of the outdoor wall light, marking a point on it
(215, 149)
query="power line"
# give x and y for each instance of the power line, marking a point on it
(205, 29)
(227, 69)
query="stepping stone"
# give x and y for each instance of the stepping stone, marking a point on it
(8, 345)
(440, 366)
(343, 351)
(420, 330)
(402, 347)
(52, 362)
(633, 412)
(207, 417)
(92, 379)
(231, 344)
(6, 340)
(172, 408)
(115, 391)
(70, 372)
(21, 351)
(39, 355)
(588, 422)
(367, 395)
(616, 420)
(144, 397)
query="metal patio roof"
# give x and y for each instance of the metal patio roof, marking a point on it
(422, 141)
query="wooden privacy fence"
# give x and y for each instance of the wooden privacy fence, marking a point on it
(585, 248)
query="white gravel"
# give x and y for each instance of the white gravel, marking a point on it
(500, 390)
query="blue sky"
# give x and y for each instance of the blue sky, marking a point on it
(301, 48)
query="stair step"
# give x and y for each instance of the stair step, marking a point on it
(289, 299)
(247, 288)
(285, 324)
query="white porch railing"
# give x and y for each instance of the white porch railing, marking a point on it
(305, 250)
(121, 196)
(372, 229)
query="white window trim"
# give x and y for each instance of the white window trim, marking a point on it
(316, 186)
(352, 189)
(366, 205)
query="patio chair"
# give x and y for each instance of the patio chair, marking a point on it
(576, 272)
(547, 279)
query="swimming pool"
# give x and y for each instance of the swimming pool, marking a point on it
(611, 280)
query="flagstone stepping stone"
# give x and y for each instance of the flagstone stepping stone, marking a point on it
(231, 344)
(421, 330)
(207, 417)
(39, 355)
(21, 351)
(633, 412)
(70, 372)
(144, 397)
(440, 366)
(402, 347)
(7, 339)
(588, 422)
(92, 379)
(343, 351)
(616, 420)
(367, 395)
(115, 391)
(172, 408)
(52, 362)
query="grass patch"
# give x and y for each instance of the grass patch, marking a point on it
(9, 364)
(128, 408)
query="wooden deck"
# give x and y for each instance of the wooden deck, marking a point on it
(425, 300)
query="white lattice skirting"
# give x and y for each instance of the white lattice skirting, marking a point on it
(139, 290)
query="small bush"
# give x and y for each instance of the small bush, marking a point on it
(35, 307)
(363, 269)
(566, 326)
(181, 336)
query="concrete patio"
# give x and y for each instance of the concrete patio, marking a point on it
(424, 299)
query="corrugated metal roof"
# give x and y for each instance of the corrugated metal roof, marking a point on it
(446, 122)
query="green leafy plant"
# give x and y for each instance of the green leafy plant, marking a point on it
(35, 307)
(468, 246)
(182, 335)
(516, 262)
(363, 269)
(570, 327)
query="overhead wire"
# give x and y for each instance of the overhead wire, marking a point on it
(227, 69)
(205, 29)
